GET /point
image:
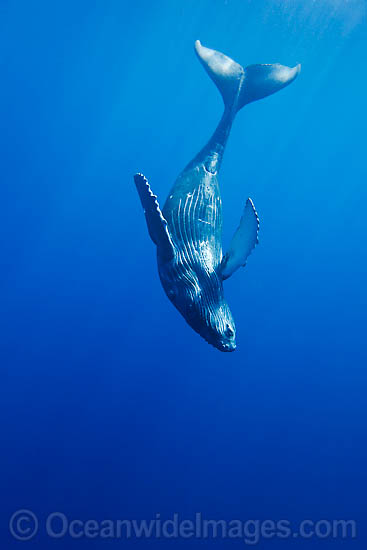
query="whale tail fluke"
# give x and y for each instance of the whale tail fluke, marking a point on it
(239, 85)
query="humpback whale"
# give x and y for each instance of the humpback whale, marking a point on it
(188, 230)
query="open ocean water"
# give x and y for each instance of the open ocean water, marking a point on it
(114, 412)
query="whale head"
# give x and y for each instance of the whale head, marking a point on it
(198, 296)
(211, 317)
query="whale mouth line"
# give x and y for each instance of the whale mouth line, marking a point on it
(226, 348)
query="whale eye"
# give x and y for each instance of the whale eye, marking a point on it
(229, 332)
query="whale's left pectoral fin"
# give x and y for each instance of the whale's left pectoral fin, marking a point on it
(243, 242)
(157, 224)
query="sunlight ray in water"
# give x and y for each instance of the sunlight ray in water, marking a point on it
(323, 14)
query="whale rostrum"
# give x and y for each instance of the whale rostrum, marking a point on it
(188, 231)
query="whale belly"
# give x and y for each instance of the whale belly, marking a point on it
(193, 212)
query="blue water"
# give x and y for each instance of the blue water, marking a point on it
(111, 406)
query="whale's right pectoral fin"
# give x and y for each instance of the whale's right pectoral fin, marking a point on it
(243, 242)
(157, 224)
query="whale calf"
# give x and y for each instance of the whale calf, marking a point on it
(188, 230)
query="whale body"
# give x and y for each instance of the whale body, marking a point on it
(188, 231)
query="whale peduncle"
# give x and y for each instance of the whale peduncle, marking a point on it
(211, 154)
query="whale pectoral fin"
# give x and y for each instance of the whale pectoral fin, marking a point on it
(243, 242)
(157, 224)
